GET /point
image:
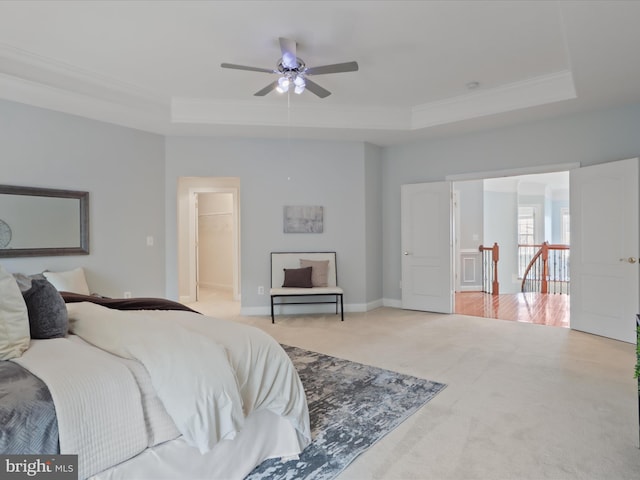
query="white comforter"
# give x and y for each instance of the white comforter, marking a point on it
(208, 373)
(98, 402)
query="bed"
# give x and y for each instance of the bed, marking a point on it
(149, 389)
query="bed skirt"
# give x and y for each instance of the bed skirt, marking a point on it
(265, 435)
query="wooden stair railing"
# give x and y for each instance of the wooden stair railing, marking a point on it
(539, 277)
(490, 257)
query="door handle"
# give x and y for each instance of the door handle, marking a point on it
(406, 253)
(629, 260)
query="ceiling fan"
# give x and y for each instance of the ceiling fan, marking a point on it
(294, 72)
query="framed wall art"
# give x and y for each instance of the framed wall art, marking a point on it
(303, 219)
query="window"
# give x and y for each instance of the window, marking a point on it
(565, 226)
(526, 237)
(526, 225)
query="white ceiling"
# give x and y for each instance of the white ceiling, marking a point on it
(155, 65)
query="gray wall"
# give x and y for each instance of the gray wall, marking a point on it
(122, 169)
(275, 173)
(588, 139)
(373, 218)
(133, 196)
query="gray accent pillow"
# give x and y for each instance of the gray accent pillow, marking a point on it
(319, 272)
(297, 277)
(48, 316)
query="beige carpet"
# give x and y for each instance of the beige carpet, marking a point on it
(523, 401)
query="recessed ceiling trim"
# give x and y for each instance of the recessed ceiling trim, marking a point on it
(217, 112)
(532, 92)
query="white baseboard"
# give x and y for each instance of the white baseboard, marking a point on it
(375, 304)
(470, 288)
(392, 302)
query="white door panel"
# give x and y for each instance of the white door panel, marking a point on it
(605, 293)
(427, 271)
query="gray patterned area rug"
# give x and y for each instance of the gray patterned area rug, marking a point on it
(351, 407)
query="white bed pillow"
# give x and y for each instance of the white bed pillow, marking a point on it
(14, 318)
(72, 281)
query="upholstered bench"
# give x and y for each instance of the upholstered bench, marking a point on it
(303, 276)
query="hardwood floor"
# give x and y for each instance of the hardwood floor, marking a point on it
(541, 309)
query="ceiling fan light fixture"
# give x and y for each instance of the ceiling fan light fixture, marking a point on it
(284, 82)
(289, 60)
(293, 70)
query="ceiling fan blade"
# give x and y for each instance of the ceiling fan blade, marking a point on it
(289, 55)
(313, 87)
(261, 93)
(334, 68)
(244, 67)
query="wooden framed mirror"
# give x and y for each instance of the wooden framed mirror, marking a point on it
(39, 222)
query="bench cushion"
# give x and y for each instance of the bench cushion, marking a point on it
(307, 291)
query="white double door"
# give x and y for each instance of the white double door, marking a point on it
(605, 276)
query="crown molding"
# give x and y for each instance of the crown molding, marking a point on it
(53, 98)
(29, 66)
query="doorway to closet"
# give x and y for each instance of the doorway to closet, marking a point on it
(214, 246)
(209, 243)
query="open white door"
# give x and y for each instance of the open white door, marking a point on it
(604, 249)
(427, 251)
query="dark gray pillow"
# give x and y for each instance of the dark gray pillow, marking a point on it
(297, 277)
(24, 281)
(48, 316)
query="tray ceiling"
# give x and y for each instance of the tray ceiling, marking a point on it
(155, 65)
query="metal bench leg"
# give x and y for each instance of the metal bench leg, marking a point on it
(341, 308)
(272, 318)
